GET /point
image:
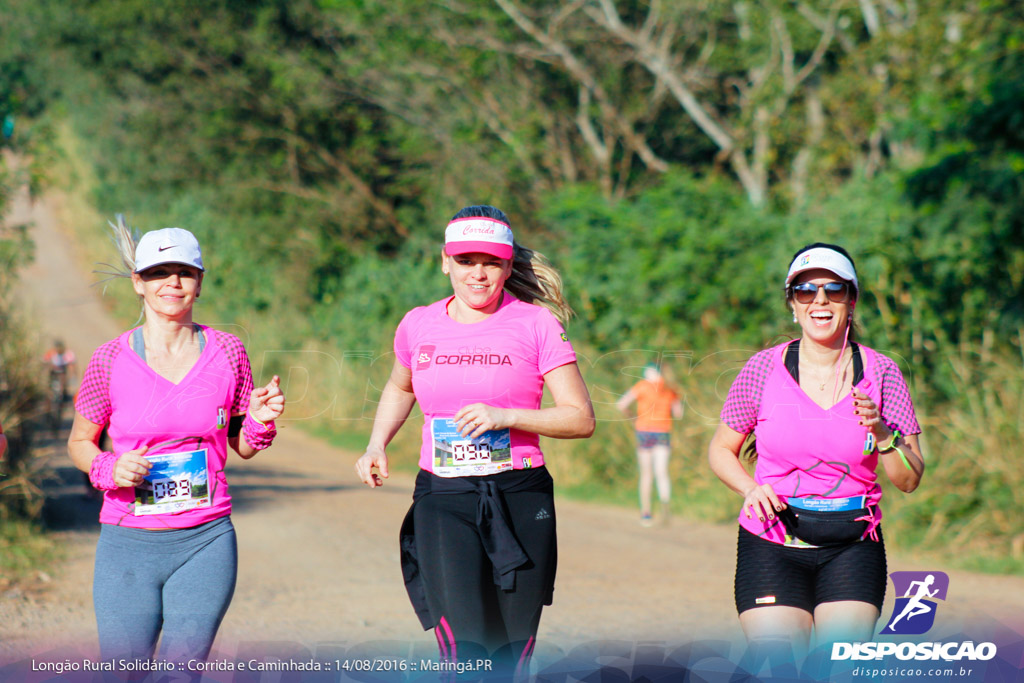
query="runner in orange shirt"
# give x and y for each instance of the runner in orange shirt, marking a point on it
(658, 403)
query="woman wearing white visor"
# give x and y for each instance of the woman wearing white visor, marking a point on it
(824, 412)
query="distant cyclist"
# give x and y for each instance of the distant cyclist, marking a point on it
(657, 404)
(61, 369)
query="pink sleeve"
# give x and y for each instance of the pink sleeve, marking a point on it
(93, 400)
(553, 346)
(402, 351)
(239, 360)
(744, 399)
(897, 406)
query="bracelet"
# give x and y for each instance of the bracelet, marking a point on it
(101, 472)
(896, 434)
(258, 434)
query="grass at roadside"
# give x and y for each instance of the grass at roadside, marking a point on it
(24, 550)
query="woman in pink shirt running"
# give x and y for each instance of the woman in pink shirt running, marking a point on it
(174, 395)
(824, 411)
(478, 546)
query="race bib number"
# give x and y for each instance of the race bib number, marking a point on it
(177, 482)
(457, 456)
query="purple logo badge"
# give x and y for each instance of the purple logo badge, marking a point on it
(916, 596)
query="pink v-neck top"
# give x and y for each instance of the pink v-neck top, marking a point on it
(144, 409)
(500, 361)
(805, 450)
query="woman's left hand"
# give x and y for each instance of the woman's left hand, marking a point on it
(870, 415)
(477, 418)
(267, 403)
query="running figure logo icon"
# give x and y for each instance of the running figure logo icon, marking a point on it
(426, 355)
(914, 612)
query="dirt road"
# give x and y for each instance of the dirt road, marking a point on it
(319, 555)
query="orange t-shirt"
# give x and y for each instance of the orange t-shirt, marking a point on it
(653, 406)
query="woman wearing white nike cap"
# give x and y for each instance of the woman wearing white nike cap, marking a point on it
(825, 411)
(174, 395)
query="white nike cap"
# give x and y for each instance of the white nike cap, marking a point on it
(169, 245)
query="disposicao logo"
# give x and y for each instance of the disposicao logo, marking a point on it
(917, 594)
(914, 612)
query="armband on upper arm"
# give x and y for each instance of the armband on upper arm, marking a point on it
(235, 426)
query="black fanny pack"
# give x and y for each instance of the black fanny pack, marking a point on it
(822, 528)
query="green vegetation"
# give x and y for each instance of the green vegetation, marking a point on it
(669, 158)
(21, 550)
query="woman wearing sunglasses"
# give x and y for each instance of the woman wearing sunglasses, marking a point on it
(823, 411)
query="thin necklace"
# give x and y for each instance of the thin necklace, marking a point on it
(832, 367)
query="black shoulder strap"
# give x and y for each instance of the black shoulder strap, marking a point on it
(792, 360)
(858, 363)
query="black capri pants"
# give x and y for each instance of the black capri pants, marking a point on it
(770, 574)
(459, 579)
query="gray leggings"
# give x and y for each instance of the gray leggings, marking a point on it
(179, 580)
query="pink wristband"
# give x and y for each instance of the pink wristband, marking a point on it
(258, 434)
(101, 472)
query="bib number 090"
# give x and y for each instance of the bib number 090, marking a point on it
(469, 451)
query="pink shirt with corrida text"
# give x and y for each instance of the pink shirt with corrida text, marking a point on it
(144, 409)
(804, 450)
(500, 361)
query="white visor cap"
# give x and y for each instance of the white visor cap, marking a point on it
(826, 259)
(479, 235)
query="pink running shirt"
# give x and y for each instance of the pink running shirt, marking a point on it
(144, 409)
(500, 361)
(804, 450)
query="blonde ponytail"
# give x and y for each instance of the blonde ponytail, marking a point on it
(125, 240)
(535, 281)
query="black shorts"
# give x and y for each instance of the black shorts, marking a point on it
(770, 574)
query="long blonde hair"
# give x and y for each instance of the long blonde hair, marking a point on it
(533, 279)
(125, 240)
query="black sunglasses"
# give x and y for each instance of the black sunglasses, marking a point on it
(806, 292)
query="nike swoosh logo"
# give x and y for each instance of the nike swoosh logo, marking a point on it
(165, 248)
